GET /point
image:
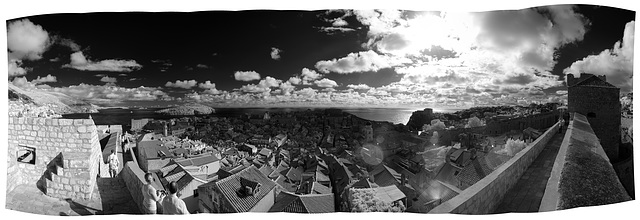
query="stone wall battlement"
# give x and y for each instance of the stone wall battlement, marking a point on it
(67, 154)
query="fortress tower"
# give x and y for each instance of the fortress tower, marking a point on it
(594, 97)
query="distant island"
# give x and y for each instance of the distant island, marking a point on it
(188, 109)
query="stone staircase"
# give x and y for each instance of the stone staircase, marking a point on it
(68, 176)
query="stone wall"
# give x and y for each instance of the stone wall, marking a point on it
(67, 155)
(484, 196)
(537, 121)
(133, 177)
(580, 158)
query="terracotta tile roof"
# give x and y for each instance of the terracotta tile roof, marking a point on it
(151, 149)
(198, 161)
(265, 152)
(230, 185)
(177, 174)
(469, 175)
(447, 174)
(284, 183)
(321, 177)
(277, 172)
(389, 193)
(266, 169)
(385, 176)
(311, 203)
(363, 184)
(295, 174)
(318, 188)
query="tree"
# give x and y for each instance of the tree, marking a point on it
(436, 124)
(474, 122)
(514, 146)
(365, 200)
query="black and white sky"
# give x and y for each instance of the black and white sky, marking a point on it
(338, 58)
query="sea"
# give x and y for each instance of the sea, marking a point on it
(123, 116)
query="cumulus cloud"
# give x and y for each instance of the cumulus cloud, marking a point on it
(80, 62)
(46, 79)
(286, 88)
(246, 75)
(615, 63)
(269, 81)
(339, 22)
(326, 83)
(253, 88)
(207, 85)
(363, 61)
(309, 75)
(264, 86)
(295, 80)
(21, 82)
(108, 94)
(108, 79)
(26, 40)
(184, 84)
(275, 53)
(359, 87)
(15, 68)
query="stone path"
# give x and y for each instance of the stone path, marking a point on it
(110, 197)
(527, 194)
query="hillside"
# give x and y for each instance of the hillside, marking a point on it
(38, 103)
(188, 109)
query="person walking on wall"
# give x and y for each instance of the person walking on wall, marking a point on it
(171, 204)
(113, 164)
(151, 195)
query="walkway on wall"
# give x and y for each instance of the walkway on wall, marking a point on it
(527, 194)
(110, 196)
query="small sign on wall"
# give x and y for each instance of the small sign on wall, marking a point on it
(26, 154)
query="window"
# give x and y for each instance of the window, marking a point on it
(26, 154)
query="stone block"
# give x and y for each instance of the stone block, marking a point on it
(20, 120)
(76, 188)
(40, 121)
(78, 121)
(89, 122)
(42, 133)
(34, 133)
(82, 129)
(65, 129)
(64, 180)
(91, 129)
(35, 128)
(66, 122)
(67, 187)
(54, 122)
(29, 121)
